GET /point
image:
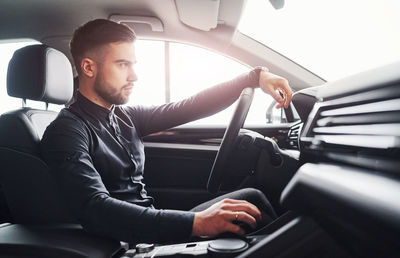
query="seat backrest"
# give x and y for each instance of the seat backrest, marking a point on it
(39, 73)
(23, 129)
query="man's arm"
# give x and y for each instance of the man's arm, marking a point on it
(65, 148)
(208, 102)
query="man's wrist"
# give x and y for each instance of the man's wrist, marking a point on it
(196, 227)
(259, 69)
(256, 74)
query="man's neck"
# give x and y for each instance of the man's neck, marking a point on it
(93, 97)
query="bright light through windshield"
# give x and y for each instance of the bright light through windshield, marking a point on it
(333, 38)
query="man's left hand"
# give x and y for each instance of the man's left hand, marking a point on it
(274, 85)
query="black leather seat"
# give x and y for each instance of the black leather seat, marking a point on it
(39, 73)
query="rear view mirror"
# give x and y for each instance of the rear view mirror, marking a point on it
(273, 115)
(277, 4)
(281, 115)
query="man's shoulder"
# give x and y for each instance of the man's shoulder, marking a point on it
(70, 116)
(65, 120)
(65, 130)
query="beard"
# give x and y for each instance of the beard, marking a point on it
(109, 93)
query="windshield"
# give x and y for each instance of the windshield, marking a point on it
(333, 38)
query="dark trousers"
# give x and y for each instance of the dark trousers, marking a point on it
(251, 195)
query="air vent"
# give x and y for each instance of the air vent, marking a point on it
(293, 136)
(362, 129)
(366, 125)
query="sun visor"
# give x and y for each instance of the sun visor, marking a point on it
(155, 23)
(202, 15)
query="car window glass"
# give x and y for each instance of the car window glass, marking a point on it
(191, 69)
(149, 89)
(258, 109)
(8, 103)
(194, 69)
(333, 39)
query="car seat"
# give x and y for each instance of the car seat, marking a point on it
(40, 73)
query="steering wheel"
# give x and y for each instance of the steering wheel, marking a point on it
(227, 144)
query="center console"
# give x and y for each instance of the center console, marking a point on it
(289, 236)
(224, 247)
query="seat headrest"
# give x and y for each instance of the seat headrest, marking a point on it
(41, 73)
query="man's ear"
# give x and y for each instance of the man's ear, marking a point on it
(88, 67)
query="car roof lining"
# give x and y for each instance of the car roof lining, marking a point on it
(55, 28)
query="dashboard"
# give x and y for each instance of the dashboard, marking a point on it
(350, 169)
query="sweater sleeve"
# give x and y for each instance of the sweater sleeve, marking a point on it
(205, 103)
(65, 148)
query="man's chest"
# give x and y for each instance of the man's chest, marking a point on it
(117, 152)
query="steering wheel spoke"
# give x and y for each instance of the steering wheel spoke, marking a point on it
(231, 133)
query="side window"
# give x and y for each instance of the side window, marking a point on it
(8, 103)
(150, 69)
(194, 69)
(173, 71)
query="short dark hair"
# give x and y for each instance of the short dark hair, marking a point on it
(97, 33)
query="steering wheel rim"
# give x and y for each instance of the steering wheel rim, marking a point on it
(227, 144)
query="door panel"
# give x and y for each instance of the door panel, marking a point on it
(177, 174)
(179, 160)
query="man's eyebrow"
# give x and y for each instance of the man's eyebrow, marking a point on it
(125, 61)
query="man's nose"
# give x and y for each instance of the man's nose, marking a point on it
(132, 77)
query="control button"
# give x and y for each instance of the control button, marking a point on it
(227, 246)
(144, 248)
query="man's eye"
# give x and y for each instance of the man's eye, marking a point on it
(123, 65)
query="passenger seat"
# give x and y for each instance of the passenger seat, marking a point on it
(40, 73)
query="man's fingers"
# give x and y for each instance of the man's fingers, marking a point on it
(241, 205)
(277, 96)
(287, 92)
(245, 207)
(270, 83)
(235, 229)
(279, 105)
(285, 100)
(232, 201)
(220, 217)
(244, 217)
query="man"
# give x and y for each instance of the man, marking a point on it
(95, 151)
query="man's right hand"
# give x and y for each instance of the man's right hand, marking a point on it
(219, 218)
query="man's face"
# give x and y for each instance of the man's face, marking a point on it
(115, 76)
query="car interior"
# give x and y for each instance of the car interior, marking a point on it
(329, 164)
